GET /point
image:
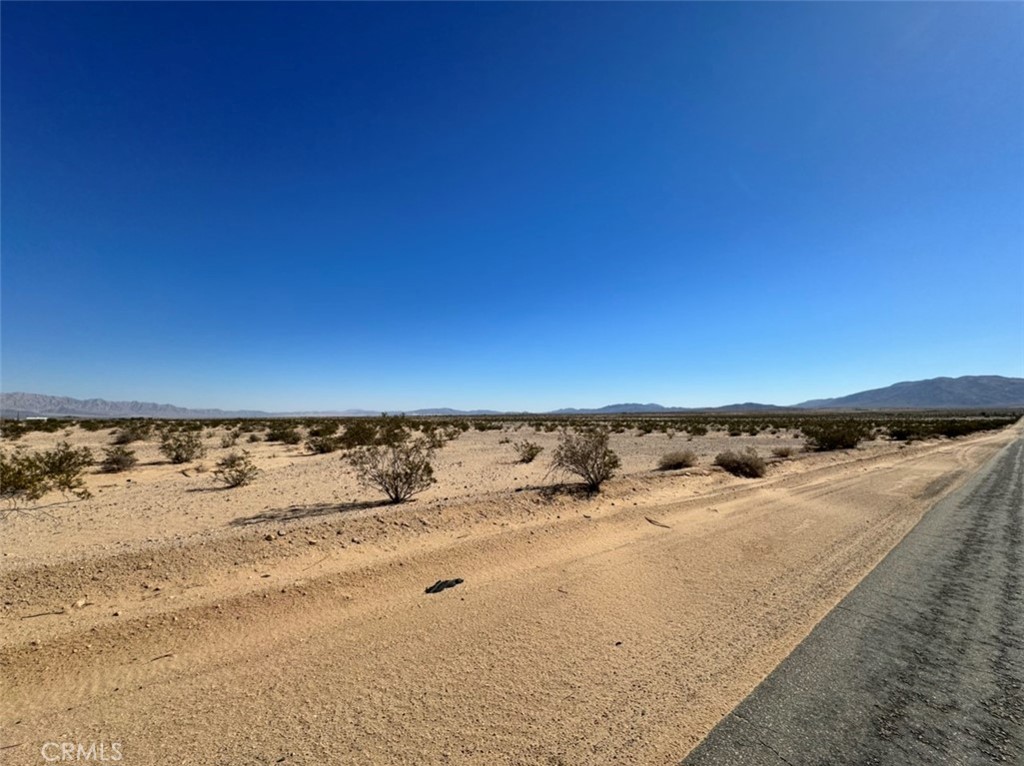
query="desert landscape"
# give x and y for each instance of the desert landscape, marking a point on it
(285, 620)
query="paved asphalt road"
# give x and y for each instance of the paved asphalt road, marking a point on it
(922, 663)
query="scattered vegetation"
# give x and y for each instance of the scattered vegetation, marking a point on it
(117, 459)
(324, 428)
(22, 479)
(322, 444)
(526, 450)
(359, 433)
(827, 435)
(586, 454)
(236, 469)
(283, 432)
(132, 431)
(783, 452)
(230, 439)
(673, 461)
(747, 463)
(25, 477)
(182, 447)
(400, 469)
(63, 466)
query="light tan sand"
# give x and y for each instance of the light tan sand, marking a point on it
(265, 625)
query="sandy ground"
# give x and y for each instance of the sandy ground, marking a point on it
(286, 622)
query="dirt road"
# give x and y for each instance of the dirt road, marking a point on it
(923, 663)
(583, 633)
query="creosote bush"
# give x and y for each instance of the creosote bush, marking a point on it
(283, 432)
(747, 464)
(400, 469)
(26, 477)
(118, 458)
(63, 466)
(783, 452)
(526, 450)
(236, 470)
(133, 431)
(324, 428)
(182, 447)
(673, 461)
(358, 433)
(22, 479)
(586, 454)
(322, 445)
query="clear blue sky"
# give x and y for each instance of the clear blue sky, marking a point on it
(392, 206)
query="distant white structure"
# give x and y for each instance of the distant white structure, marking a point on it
(36, 417)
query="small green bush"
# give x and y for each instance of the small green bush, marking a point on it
(63, 467)
(747, 464)
(673, 461)
(324, 428)
(527, 451)
(236, 470)
(586, 454)
(22, 478)
(133, 431)
(359, 433)
(117, 458)
(399, 470)
(322, 445)
(182, 447)
(283, 432)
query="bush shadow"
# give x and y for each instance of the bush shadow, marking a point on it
(312, 511)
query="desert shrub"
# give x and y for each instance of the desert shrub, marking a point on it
(236, 469)
(63, 466)
(133, 431)
(399, 470)
(324, 428)
(182, 447)
(230, 439)
(783, 452)
(827, 435)
(526, 450)
(90, 425)
(253, 438)
(22, 478)
(283, 432)
(393, 429)
(117, 458)
(696, 429)
(359, 433)
(12, 431)
(587, 455)
(747, 464)
(675, 460)
(322, 445)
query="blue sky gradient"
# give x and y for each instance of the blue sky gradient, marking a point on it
(528, 206)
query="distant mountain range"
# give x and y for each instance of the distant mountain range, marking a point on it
(968, 392)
